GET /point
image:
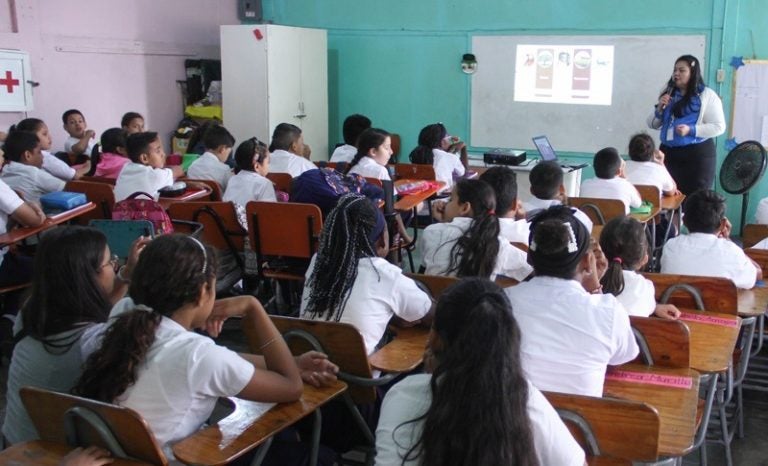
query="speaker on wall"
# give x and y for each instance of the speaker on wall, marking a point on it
(249, 10)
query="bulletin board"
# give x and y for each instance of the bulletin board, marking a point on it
(749, 118)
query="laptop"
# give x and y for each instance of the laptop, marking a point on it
(548, 153)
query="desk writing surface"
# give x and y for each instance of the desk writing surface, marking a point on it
(190, 194)
(18, 234)
(754, 302)
(672, 202)
(404, 353)
(42, 453)
(643, 218)
(712, 340)
(409, 201)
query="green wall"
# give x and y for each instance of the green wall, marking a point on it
(397, 61)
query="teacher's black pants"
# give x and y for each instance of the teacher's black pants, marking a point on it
(693, 166)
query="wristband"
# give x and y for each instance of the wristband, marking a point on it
(121, 277)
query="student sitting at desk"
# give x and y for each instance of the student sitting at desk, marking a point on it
(569, 335)
(610, 182)
(287, 142)
(211, 165)
(354, 125)
(51, 163)
(437, 148)
(23, 170)
(647, 165)
(512, 223)
(114, 154)
(146, 172)
(707, 250)
(547, 188)
(474, 404)
(374, 148)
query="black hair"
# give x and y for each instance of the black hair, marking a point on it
(18, 142)
(695, 86)
(353, 127)
(475, 252)
(371, 138)
(65, 290)
(69, 113)
(138, 143)
(170, 273)
(641, 147)
(607, 163)
(703, 211)
(129, 117)
(31, 125)
(430, 137)
(546, 178)
(344, 241)
(216, 136)
(195, 144)
(250, 151)
(478, 361)
(624, 244)
(557, 242)
(113, 138)
(283, 137)
(504, 183)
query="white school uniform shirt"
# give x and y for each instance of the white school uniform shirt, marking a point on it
(379, 292)
(209, 167)
(762, 244)
(136, 177)
(761, 215)
(649, 173)
(569, 335)
(30, 181)
(9, 202)
(282, 161)
(369, 168)
(639, 294)
(514, 230)
(706, 255)
(71, 141)
(534, 204)
(343, 153)
(249, 186)
(615, 188)
(437, 242)
(411, 397)
(446, 165)
(57, 167)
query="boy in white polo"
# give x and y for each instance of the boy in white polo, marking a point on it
(610, 182)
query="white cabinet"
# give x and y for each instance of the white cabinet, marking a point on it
(275, 74)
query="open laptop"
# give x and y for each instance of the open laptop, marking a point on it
(548, 153)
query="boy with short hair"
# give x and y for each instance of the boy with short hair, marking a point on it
(547, 188)
(707, 250)
(610, 182)
(512, 226)
(211, 165)
(647, 165)
(146, 172)
(354, 125)
(81, 140)
(287, 148)
(24, 170)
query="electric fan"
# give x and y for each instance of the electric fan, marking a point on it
(741, 170)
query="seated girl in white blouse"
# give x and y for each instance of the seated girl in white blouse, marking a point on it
(250, 182)
(374, 148)
(437, 148)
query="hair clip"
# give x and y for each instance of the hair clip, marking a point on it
(572, 245)
(205, 255)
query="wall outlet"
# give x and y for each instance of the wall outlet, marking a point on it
(720, 75)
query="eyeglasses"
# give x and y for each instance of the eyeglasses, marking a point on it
(114, 261)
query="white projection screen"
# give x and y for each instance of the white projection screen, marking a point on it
(584, 92)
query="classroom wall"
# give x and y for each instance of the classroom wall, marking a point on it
(106, 57)
(398, 61)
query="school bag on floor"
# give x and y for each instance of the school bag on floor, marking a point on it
(133, 208)
(324, 186)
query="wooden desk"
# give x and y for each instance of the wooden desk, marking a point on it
(41, 453)
(239, 432)
(672, 202)
(410, 201)
(404, 353)
(754, 302)
(644, 218)
(18, 234)
(712, 339)
(676, 405)
(190, 194)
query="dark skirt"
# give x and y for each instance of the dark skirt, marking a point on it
(693, 166)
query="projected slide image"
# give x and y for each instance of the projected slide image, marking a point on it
(564, 74)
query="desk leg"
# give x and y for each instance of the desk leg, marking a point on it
(316, 426)
(709, 398)
(261, 452)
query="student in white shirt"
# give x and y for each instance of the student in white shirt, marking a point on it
(474, 404)
(437, 148)
(250, 182)
(512, 223)
(646, 166)
(374, 148)
(81, 140)
(353, 127)
(707, 250)
(468, 242)
(569, 335)
(151, 361)
(132, 122)
(625, 246)
(610, 182)
(547, 189)
(51, 163)
(287, 141)
(348, 280)
(145, 172)
(211, 165)
(23, 171)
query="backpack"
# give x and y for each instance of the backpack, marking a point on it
(324, 186)
(143, 209)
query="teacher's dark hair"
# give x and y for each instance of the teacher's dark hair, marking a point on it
(695, 85)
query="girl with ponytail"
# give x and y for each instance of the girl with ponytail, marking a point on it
(625, 246)
(438, 148)
(374, 148)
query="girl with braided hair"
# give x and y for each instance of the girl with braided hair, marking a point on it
(349, 281)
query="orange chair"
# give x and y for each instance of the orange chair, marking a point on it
(216, 191)
(414, 171)
(282, 181)
(101, 194)
(600, 211)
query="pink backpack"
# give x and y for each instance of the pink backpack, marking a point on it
(143, 209)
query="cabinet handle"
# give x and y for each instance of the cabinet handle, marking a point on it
(301, 115)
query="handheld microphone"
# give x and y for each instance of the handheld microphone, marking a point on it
(669, 90)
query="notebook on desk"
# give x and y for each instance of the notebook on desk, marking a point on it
(548, 153)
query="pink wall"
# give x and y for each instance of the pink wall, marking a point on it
(107, 57)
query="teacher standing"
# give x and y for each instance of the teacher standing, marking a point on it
(689, 115)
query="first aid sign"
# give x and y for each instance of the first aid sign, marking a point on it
(15, 91)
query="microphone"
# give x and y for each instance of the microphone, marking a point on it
(669, 90)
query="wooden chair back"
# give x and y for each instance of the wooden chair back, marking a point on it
(435, 284)
(324, 164)
(101, 194)
(521, 246)
(99, 179)
(612, 422)
(666, 341)
(341, 342)
(48, 412)
(221, 230)
(374, 181)
(282, 181)
(761, 257)
(651, 194)
(216, 192)
(600, 211)
(752, 234)
(414, 171)
(395, 139)
(289, 229)
(717, 294)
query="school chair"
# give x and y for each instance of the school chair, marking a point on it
(414, 171)
(434, 285)
(396, 144)
(652, 194)
(216, 191)
(99, 179)
(101, 194)
(282, 181)
(374, 181)
(600, 211)
(612, 428)
(760, 256)
(76, 421)
(662, 342)
(752, 234)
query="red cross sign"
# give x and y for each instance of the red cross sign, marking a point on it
(9, 82)
(15, 72)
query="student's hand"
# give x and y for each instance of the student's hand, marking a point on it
(91, 456)
(683, 130)
(725, 229)
(658, 157)
(37, 209)
(307, 152)
(667, 311)
(316, 369)
(90, 134)
(438, 210)
(234, 306)
(178, 172)
(663, 102)
(457, 146)
(214, 324)
(519, 211)
(133, 255)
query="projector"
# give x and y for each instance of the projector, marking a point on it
(504, 157)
